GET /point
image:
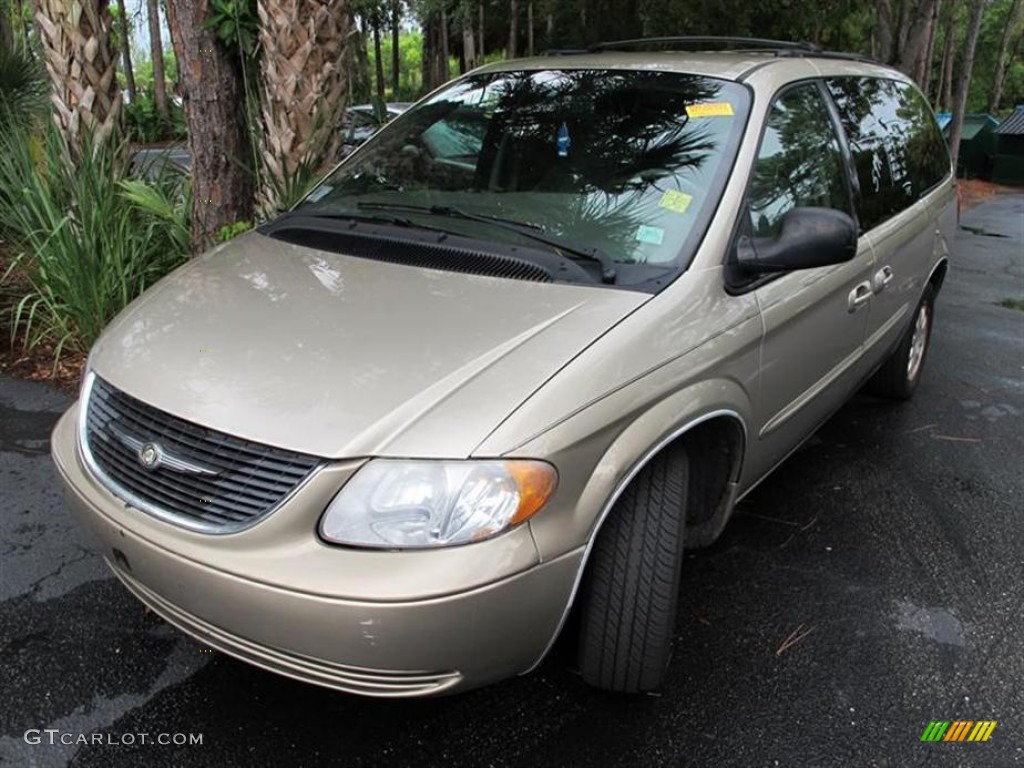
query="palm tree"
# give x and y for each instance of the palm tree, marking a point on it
(81, 63)
(303, 91)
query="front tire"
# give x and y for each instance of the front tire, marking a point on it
(899, 376)
(632, 586)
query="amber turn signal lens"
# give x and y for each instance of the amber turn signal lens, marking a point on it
(536, 481)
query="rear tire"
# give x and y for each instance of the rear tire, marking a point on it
(630, 595)
(900, 374)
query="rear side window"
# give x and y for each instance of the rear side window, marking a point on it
(897, 148)
(799, 163)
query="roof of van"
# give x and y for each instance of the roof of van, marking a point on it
(728, 65)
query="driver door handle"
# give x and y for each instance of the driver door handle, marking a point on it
(859, 296)
(882, 278)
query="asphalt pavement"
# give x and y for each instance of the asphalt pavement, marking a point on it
(873, 584)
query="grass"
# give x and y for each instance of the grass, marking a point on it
(1017, 304)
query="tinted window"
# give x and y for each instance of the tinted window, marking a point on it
(897, 148)
(628, 162)
(799, 162)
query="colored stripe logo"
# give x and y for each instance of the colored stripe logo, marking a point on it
(958, 730)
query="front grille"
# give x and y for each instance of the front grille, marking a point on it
(201, 479)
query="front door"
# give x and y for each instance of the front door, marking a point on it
(814, 319)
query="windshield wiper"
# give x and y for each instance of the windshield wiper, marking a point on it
(531, 231)
(397, 221)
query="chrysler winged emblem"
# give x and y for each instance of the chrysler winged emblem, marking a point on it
(153, 456)
(149, 455)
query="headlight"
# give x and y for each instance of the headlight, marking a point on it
(413, 504)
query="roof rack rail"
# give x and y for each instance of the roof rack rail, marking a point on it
(829, 55)
(756, 43)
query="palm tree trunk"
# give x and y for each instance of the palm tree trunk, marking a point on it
(81, 64)
(126, 53)
(303, 92)
(222, 181)
(1002, 58)
(156, 51)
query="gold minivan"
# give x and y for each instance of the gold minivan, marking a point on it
(507, 360)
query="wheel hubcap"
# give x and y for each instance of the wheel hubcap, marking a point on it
(917, 343)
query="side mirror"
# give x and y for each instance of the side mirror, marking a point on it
(810, 237)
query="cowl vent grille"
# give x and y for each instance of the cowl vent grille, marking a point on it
(411, 253)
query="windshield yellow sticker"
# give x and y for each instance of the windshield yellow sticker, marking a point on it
(650, 235)
(710, 109)
(675, 201)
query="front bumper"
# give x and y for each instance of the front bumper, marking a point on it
(373, 623)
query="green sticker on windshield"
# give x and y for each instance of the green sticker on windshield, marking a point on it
(650, 235)
(675, 201)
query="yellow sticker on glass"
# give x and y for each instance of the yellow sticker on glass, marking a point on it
(675, 201)
(710, 109)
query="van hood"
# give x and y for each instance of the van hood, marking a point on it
(339, 356)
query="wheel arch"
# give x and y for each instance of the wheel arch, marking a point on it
(721, 429)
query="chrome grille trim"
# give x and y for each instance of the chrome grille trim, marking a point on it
(207, 481)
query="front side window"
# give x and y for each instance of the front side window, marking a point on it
(897, 149)
(799, 163)
(627, 163)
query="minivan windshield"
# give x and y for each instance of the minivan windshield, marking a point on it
(623, 164)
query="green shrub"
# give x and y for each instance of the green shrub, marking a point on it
(233, 230)
(22, 90)
(144, 123)
(87, 236)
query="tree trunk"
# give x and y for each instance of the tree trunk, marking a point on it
(1002, 57)
(945, 93)
(6, 29)
(964, 81)
(903, 30)
(445, 47)
(925, 78)
(884, 30)
(378, 59)
(81, 64)
(434, 57)
(549, 29)
(469, 43)
(914, 38)
(513, 30)
(156, 51)
(396, 54)
(357, 62)
(480, 37)
(529, 28)
(303, 90)
(126, 52)
(222, 182)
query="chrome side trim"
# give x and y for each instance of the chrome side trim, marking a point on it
(132, 500)
(610, 504)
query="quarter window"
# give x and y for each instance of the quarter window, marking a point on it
(897, 149)
(799, 163)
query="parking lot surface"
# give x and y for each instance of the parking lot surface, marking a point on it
(874, 583)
